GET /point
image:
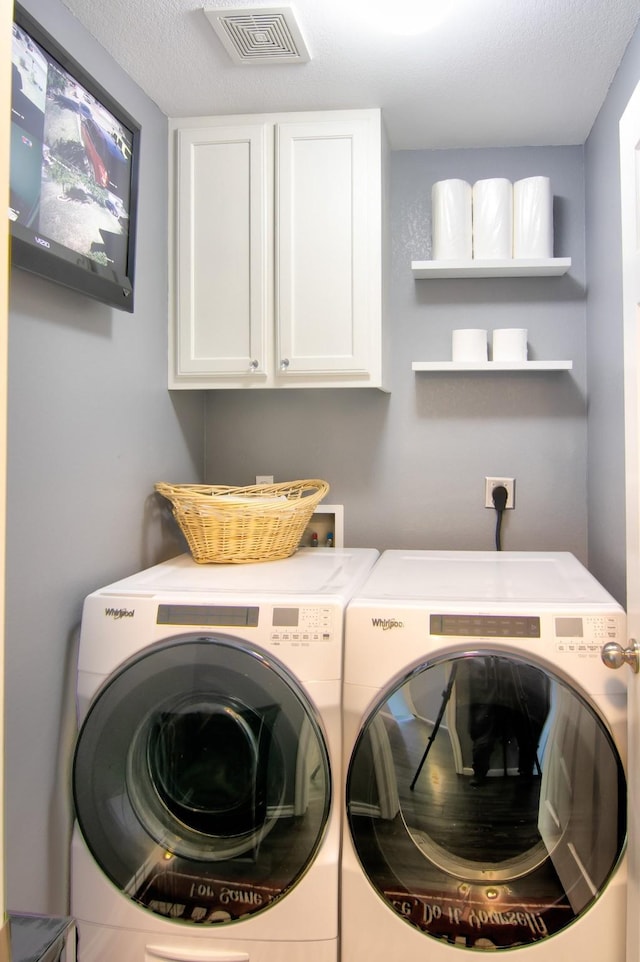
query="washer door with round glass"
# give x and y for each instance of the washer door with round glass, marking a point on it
(486, 801)
(201, 780)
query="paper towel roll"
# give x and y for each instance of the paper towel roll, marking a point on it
(509, 344)
(469, 344)
(451, 220)
(493, 219)
(533, 218)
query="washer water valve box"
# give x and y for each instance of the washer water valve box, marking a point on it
(327, 526)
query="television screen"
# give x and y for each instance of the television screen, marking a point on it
(73, 172)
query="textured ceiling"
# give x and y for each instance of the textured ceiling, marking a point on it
(490, 73)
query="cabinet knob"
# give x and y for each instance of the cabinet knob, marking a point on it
(615, 656)
(254, 365)
(284, 363)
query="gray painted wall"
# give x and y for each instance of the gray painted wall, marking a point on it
(409, 467)
(605, 334)
(91, 428)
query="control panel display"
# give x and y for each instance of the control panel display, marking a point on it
(569, 628)
(286, 617)
(485, 626)
(218, 616)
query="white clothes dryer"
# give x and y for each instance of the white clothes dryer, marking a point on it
(485, 752)
(208, 761)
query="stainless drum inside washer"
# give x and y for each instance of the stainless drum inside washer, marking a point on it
(201, 770)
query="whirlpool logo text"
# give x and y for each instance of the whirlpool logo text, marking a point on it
(387, 623)
(117, 613)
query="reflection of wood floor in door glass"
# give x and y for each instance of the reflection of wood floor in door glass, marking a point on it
(486, 824)
(490, 822)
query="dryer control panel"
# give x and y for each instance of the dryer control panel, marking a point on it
(574, 634)
(570, 639)
(586, 634)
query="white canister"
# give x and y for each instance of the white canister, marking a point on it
(451, 213)
(469, 345)
(533, 218)
(509, 344)
(493, 219)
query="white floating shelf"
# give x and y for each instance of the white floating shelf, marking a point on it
(492, 367)
(551, 267)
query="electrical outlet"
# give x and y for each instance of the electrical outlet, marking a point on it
(491, 483)
(264, 479)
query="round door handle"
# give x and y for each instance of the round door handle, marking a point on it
(615, 656)
(254, 365)
(284, 363)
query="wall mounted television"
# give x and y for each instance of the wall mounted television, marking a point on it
(73, 172)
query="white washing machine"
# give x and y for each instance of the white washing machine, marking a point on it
(485, 751)
(207, 767)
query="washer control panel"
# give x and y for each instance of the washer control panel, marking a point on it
(301, 626)
(283, 624)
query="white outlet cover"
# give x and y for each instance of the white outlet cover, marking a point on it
(508, 483)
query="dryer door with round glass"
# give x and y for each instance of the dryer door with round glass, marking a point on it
(201, 779)
(486, 801)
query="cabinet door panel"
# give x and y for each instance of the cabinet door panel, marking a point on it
(223, 267)
(323, 254)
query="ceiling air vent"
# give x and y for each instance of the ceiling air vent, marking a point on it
(259, 35)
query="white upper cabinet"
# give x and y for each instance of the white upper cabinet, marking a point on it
(222, 262)
(277, 251)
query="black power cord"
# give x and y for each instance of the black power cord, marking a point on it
(499, 495)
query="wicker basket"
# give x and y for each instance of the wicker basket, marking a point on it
(261, 522)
